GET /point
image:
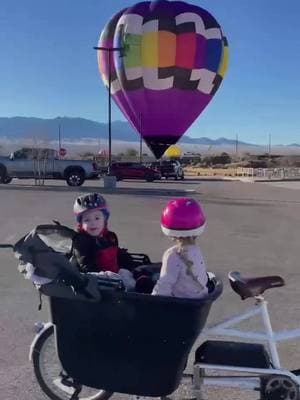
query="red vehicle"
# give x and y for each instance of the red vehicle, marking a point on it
(134, 170)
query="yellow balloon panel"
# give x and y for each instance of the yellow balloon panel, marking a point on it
(173, 151)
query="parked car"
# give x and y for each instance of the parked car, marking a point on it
(134, 170)
(169, 169)
(45, 164)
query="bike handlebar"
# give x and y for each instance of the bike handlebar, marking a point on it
(6, 246)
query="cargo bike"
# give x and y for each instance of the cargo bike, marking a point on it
(102, 339)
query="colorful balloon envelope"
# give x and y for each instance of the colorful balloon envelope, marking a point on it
(173, 59)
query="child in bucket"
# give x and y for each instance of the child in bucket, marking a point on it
(95, 247)
(183, 272)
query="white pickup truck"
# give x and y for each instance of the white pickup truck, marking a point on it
(44, 163)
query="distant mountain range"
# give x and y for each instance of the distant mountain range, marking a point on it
(79, 128)
(76, 129)
(294, 145)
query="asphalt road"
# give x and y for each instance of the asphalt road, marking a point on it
(252, 227)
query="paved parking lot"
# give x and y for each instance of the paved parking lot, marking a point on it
(252, 227)
(293, 185)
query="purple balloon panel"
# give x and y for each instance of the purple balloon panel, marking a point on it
(172, 62)
(161, 126)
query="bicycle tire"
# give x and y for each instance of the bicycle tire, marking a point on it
(53, 388)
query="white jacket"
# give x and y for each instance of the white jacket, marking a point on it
(175, 279)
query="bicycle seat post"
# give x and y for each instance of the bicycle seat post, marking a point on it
(263, 304)
(259, 299)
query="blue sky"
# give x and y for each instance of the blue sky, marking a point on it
(48, 67)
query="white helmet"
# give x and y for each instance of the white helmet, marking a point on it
(91, 201)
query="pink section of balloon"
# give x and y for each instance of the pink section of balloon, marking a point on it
(174, 57)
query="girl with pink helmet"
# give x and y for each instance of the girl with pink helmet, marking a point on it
(183, 272)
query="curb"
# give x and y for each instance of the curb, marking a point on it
(240, 179)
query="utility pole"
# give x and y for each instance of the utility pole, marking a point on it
(141, 139)
(59, 138)
(109, 51)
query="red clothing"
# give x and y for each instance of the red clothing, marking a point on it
(107, 259)
(95, 254)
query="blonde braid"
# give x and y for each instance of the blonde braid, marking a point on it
(182, 253)
(183, 256)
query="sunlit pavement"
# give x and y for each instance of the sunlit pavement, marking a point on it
(252, 228)
(294, 185)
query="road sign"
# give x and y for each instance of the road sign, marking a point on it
(62, 152)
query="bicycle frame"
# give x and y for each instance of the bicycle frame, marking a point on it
(269, 338)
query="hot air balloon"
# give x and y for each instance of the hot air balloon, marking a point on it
(173, 59)
(173, 151)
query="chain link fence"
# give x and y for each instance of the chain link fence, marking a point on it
(259, 173)
(277, 173)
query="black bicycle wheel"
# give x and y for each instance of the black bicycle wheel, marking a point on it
(48, 370)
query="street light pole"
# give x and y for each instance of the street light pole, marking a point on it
(109, 51)
(141, 139)
(109, 113)
(59, 138)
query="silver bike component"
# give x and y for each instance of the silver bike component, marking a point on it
(38, 326)
(227, 328)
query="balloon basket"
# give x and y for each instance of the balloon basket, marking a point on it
(109, 181)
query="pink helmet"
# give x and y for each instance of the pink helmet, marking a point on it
(182, 217)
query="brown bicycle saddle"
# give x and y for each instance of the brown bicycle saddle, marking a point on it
(252, 287)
